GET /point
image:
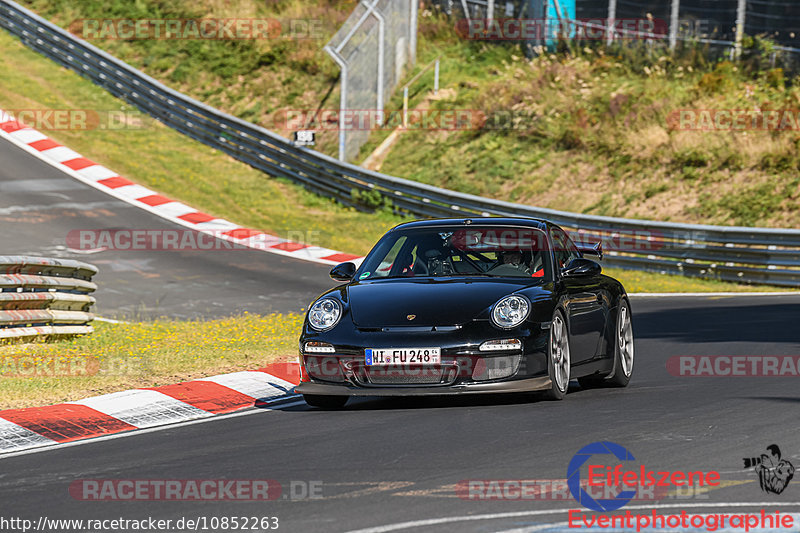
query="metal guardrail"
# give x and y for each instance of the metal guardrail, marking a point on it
(751, 255)
(45, 297)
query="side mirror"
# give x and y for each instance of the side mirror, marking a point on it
(343, 272)
(596, 249)
(581, 267)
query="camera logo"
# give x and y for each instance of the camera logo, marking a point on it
(774, 473)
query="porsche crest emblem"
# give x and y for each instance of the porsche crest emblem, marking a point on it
(411, 317)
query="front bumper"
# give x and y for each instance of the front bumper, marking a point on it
(464, 368)
(517, 385)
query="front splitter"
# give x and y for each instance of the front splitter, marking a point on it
(519, 385)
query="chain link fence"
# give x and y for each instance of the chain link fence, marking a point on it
(721, 24)
(373, 49)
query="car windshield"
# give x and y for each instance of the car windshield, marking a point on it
(442, 251)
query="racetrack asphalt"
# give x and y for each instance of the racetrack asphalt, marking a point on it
(387, 461)
(39, 206)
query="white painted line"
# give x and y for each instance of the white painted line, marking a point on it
(14, 436)
(694, 294)
(56, 446)
(314, 252)
(544, 512)
(97, 173)
(176, 209)
(27, 136)
(253, 384)
(61, 154)
(91, 175)
(275, 379)
(261, 241)
(132, 192)
(144, 408)
(218, 224)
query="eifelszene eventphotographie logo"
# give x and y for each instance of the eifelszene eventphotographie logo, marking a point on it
(620, 484)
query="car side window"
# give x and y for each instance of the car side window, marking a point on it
(563, 247)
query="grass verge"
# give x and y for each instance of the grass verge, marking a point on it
(148, 354)
(209, 180)
(635, 281)
(172, 164)
(145, 354)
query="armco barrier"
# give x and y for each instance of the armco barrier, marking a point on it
(752, 255)
(45, 297)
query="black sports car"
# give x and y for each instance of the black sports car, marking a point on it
(466, 306)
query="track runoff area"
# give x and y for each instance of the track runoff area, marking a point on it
(704, 438)
(696, 404)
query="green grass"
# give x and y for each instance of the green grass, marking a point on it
(147, 354)
(161, 352)
(635, 281)
(179, 167)
(585, 157)
(595, 130)
(251, 79)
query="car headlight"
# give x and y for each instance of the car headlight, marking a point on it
(324, 314)
(511, 311)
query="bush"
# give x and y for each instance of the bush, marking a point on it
(371, 199)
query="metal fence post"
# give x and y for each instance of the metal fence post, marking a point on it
(412, 38)
(466, 12)
(673, 24)
(741, 11)
(373, 65)
(342, 100)
(381, 52)
(436, 77)
(405, 106)
(612, 15)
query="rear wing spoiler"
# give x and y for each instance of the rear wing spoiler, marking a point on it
(597, 250)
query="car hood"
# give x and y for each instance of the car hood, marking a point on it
(433, 302)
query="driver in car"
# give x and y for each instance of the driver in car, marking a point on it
(514, 258)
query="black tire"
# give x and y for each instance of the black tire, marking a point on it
(324, 401)
(623, 347)
(623, 360)
(557, 351)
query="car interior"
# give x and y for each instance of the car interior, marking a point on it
(437, 255)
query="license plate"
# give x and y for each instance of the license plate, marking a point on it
(403, 356)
